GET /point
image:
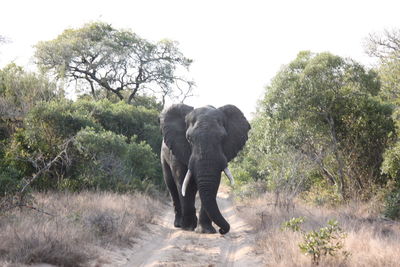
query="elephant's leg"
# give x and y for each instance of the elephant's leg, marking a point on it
(205, 222)
(189, 219)
(169, 181)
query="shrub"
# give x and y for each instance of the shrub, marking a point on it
(392, 204)
(113, 148)
(105, 161)
(322, 194)
(125, 119)
(391, 167)
(142, 162)
(327, 240)
(57, 120)
(9, 180)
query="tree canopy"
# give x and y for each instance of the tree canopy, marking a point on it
(20, 90)
(100, 58)
(386, 47)
(324, 109)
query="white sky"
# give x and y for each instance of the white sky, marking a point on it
(237, 46)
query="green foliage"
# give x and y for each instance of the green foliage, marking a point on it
(390, 198)
(57, 120)
(124, 119)
(320, 117)
(386, 47)
(9, 180)
(46, 127)
(110, 150)
(149, 102)
(293, 224)
(93, 144)
(392, 204)
(21, 90)
(322, 194)
(142, 162)
(391, 163)
(105, 61)
(328, 240)
(105, 161)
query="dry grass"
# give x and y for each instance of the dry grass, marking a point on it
(81, 222)
(371, 240)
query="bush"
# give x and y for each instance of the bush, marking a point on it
(125, 119)
(392, 204)
(142, 162)
(93, 144)
(320, 115)
(10, 176)
(322, 194)
(328, 240)
(21, 90)
(9, 180)
(57, 120)
(105, 161)
(115, 146)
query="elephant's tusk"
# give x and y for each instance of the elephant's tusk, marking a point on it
(186, 182)
(229, 174)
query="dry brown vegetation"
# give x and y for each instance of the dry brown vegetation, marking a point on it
(79, 224)
(371, 240)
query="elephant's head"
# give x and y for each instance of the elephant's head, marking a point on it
(205, 139)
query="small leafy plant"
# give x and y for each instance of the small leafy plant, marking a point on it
(327, 240)
(294, 224)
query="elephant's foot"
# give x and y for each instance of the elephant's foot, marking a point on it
(178, 221)
(207, 229)
(189, 223)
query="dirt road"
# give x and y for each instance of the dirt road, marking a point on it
(169, 246)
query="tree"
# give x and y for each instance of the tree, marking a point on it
(386, 47)
(21, 90)
(325, 109)
(103, 58)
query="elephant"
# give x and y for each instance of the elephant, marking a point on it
(197, 146)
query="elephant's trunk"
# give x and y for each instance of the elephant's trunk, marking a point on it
(208, 187)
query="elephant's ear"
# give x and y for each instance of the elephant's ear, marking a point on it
(173, 128)
(237, 128)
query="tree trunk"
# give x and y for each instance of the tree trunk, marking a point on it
(91, 87)
(342, 186)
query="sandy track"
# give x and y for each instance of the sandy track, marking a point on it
(169, 246)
